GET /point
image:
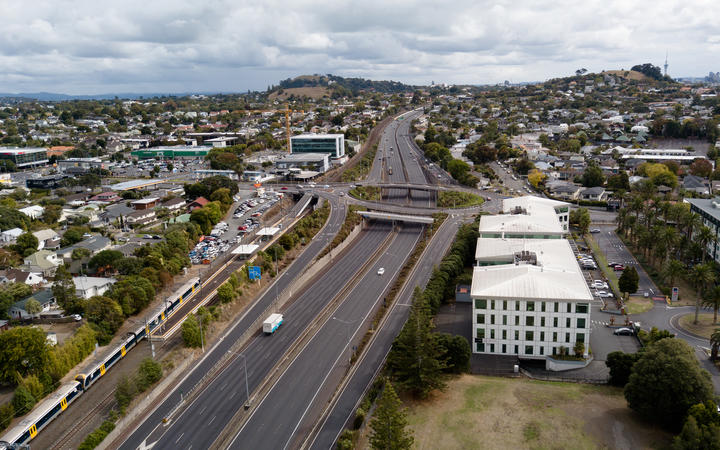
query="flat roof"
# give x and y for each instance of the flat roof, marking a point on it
(531, 202)
(267, 231)
(320, 136)
(135, 184)
(557, 275)
(521, 223)
(20, 151)
(294, 157)
(245, 249)
(145, 201)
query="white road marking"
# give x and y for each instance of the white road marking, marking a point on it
(180, 437)
(211, 420)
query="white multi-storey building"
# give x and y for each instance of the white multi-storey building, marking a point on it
(529, 295)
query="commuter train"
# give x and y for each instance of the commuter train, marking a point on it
(58, 401)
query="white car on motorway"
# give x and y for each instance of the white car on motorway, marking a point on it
(381, 271)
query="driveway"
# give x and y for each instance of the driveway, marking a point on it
(616, 251)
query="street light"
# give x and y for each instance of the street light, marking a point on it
(347, 334)
(247, 390)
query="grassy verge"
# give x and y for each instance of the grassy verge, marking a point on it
(455, 199)
(365, 192)
(705, 326)
(351, 221)
(362, 169)
(637, 305)
(603, 263)
(495, 413)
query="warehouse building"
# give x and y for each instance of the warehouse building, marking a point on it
(172, 152)
(334, 144)
(530, 298)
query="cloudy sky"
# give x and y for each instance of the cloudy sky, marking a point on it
(165, 46)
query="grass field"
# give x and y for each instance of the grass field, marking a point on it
(456, 199)
(704, 327)
(500, 413)
(637, 305)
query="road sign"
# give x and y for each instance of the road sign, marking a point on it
(675, 292)
(254, 272)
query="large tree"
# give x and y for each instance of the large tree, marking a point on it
(593, 176)
(26, 244)
(666, 381)
(416, 356)
(389, 423)
(23, 352)
(628, 282)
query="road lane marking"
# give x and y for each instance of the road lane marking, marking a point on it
(211, 420)
(178, 439)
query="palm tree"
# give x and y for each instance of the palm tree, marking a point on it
(712, 300)
(704, 237)
(715, 344)
(672, 269)
(669, 237)
(690, 221)
(701, 275)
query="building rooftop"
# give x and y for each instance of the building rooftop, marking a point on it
(135, 184)
(521, 223)
(294, 157)
(21, 151)
(317, 136)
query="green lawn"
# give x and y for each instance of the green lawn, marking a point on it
(704, 327)
(455, 199)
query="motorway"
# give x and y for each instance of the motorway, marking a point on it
(284, 280)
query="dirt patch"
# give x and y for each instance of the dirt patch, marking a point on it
(62, 331)
(629, 75)
(501, 413)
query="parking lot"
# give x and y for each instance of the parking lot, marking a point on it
(616, 251)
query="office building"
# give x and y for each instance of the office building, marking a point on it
(319, 162)
(25, 157)
(334, 144)
(709, 210)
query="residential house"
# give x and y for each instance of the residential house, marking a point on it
(10, 235)
(141, 217)
(20, 276)
(596, 194)
(46, 236)
(696, 184)
(174, 204)
(87, 287)
(106, 197)
(33, 212)
(94, 244)
(565, 191)
(144, 203)
(44, 297)
(42, 261)
(115, 214)
(197, 203)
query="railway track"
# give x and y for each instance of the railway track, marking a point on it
(64, 441)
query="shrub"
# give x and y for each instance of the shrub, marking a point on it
(149, 372)
(22, 401)
(125, 391)
(96, 437)
(7, 412)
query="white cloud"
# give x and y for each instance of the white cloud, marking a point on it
(87, 46)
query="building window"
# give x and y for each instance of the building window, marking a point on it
(542, 306)
(542, 350)
(480, 318)
(530, 306)
(567, 337)
(557, 307)
(528, 335)
(580, 337)
(504, 348)
(492, 304)
(569, 307)
(568, 323)
(504, 305)
(516, 350)
(555, 322)
(492, 348)
(504, 334)
(517, 335)
(554, 337)
(542, 336)
(480, 304)
(554, 351)
(581, 308)
(528, 350)
(517, 306)
(529, 321)
(492, 319)
(517, 320)
(542, 321)
(492, 333)
(504, 320)
(480, 347)
(581, 323)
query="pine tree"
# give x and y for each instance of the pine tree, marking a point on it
(416, 357)
(389, 422)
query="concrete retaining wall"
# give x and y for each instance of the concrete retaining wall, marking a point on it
(559, 365)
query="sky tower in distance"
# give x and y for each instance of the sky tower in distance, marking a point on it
(666, 64)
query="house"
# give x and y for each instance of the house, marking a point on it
(596, 194)
(94, 244)
(116, 214)
(106, 197)
(42, 261)
(10, 235)
(174, 204)
(141, 217)
(565, 191)
(44, 297)
(33, 212)
(19, 276)
(87, 287)
(696, 184)
(144, 203)
(197, 203)
(46, 236)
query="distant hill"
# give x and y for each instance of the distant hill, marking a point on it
(317, 86)
(629, 75)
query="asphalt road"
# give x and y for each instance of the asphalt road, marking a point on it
(325, 358)
(284, 280)
(616, 251)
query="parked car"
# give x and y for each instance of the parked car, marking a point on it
(599, 284)
(624, 332)
(595, 230)
(605, 294)
(613, 264)
(619, 267)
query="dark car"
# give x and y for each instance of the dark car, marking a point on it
(623, 332)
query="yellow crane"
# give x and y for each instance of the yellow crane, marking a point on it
(287, 111)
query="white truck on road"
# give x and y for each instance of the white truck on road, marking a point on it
(272, 323)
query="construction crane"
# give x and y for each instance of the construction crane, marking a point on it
(287, 111)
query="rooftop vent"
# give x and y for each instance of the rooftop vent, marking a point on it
(526, 257)
(518, 210)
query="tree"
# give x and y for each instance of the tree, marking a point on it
(672, 269)
(714, 344)
(523, 166)
(536, 178)
(592, 176)
(225, 293)
(701, 167)
(33, 306)
(191, 333)
(712, 300)
(64, 291)
(701, 429)
(26, 244)
(105, 315)
(666, 381)
(620, 365)
(619, 181)
(23, 401)
(52, 214)
(105, 260)
(389, 423)
(415, 357)
(701, 275)
(72, 236)
(23, 351)
(580, 218)
(456, 351)
(628, 282)
(649, 70)
(79, 253)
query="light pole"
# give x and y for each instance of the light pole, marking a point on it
(247, 390)
(347, 334)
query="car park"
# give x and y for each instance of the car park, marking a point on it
(624, 332)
